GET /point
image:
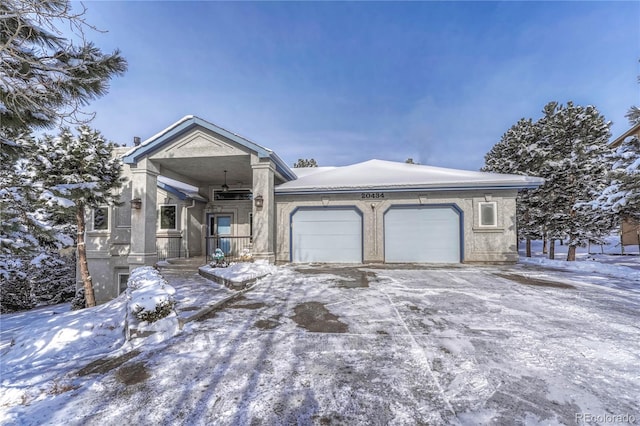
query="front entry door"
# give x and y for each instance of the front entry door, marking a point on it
(219, 228)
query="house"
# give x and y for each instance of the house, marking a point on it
(629, 230)
(195, 187)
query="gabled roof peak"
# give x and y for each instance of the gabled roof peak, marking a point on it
(188, 122)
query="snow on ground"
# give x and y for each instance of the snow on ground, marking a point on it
(604, 260)
(40, 348)
(240, 272)
(324, 345)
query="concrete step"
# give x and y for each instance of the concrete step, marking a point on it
(200, 260)
(182, 264)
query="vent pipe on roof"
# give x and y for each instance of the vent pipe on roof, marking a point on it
(136, 140)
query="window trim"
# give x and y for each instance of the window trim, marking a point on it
(494, 223)
(175, 218)
(93, 219)
(120, 274)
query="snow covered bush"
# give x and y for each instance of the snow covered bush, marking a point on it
(78, 302)
(162, 310)
(150, 297)
(46, 279)
(53, 278)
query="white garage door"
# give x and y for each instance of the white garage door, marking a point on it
(326, 235)
(422, 234)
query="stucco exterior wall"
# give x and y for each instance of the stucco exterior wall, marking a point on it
(481, 244)
(630, 232)
(107, 250)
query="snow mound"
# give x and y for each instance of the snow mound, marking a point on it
(150, 305)
(147, 289)
(63, 337)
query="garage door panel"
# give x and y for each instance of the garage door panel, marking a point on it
(321, 242)
(325, 235)
(429, 235)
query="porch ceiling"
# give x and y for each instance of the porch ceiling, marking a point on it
(210, 170)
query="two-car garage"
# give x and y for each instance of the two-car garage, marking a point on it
(420, 234)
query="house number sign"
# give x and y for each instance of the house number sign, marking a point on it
(370, 195)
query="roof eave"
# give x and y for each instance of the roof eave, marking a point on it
(170, 189)
(309, 191)
(282, 168)
(618, 141)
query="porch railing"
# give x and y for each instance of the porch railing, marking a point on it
(235, 248)
(169, 247)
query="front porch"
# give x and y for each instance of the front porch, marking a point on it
(236, 248)
(198, 188)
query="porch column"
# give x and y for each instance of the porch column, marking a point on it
(264, 217)
(144, 180)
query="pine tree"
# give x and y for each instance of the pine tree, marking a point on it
(305, 162)
(78, 172)
(567, 148)
(621, 198)
(634, 113)
(24, 223)
(517, 153)
(45, 76)
(574, 141)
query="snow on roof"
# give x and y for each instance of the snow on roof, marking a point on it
(391, 175)
(160, 133)
(306, 171)
(181, 189)
(185, 119)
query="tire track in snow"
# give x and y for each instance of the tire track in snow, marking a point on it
(418, 351)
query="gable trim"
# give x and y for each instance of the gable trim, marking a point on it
(189, 122)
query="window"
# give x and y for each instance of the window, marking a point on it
(238, 194)
(122, 282)
(168, 217)
(101, 218)
(488, 214)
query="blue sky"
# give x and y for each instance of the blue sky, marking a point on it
(346, 82)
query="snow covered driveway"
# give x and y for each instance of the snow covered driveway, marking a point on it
(323, 345)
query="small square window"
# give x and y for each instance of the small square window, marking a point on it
(101, 218)
(168, 217)
(488, 214)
